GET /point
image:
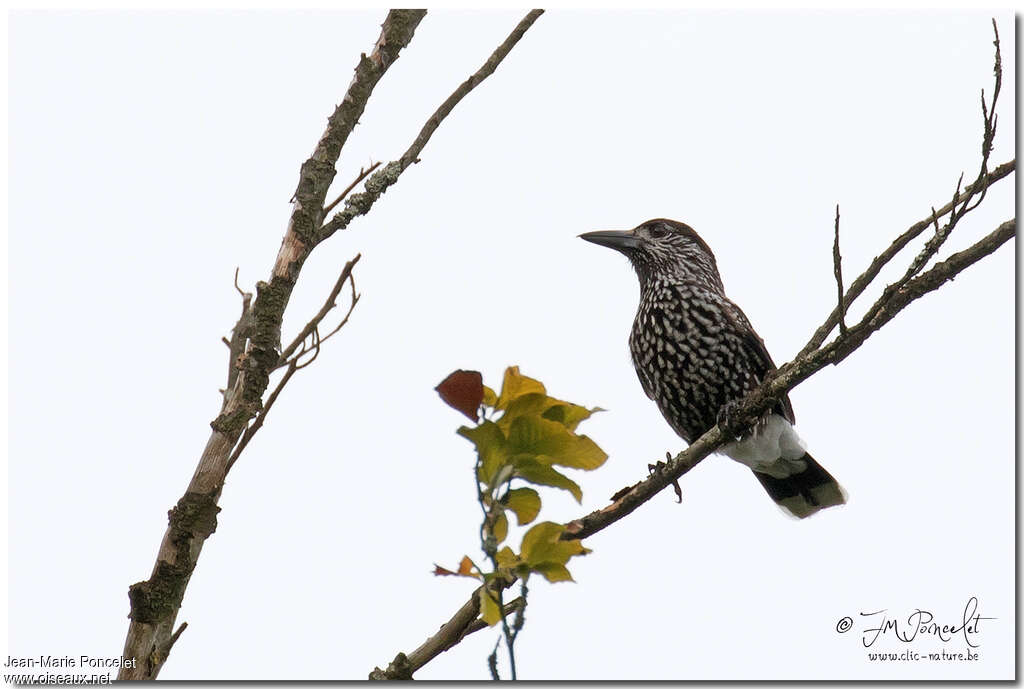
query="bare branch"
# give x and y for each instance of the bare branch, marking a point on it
(360, 204)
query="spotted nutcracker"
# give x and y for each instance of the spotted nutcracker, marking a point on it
(695, 353)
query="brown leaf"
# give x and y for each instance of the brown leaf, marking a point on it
(464, 391)
(465, 569)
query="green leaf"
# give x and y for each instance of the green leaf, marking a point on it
(553, 572)
(490, 399)
(490, 445)
(552, 443)
(525, 502)
(500, 529)
(490, 611)
(529, 469)
(516, 385)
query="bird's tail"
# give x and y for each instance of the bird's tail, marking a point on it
(802, 494)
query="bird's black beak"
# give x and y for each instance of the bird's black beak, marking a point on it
(614, 239)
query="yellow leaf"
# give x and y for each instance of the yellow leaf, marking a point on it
(490, 399)
(552, 443)
(545, 532)
(530, 404)
(507, 558)
(490, 611)
(525, 502)
(568, 414)
(516, 385)
(490, 445)
(500, 529)
(553, 572)
(542, 546)
(529, 469)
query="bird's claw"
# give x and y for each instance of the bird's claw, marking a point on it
(652, 468)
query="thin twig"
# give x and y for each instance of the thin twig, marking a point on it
(837, 268)
(363, 174)
(329, 304)
(246, 296)
(352, 305)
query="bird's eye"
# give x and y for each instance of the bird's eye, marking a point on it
(657, 232)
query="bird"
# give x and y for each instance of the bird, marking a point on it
(696, 354)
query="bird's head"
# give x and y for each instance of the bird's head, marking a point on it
(663, 251)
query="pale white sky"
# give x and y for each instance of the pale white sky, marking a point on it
(151, 154)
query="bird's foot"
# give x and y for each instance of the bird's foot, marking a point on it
(675, 482)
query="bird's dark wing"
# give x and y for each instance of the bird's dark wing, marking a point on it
(758, 355)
